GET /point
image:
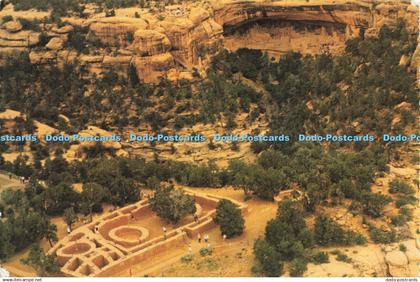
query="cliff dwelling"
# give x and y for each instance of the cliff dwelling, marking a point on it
(181, 40)
(277, 37)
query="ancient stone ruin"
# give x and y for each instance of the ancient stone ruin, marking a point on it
(129, 236)
(182, 39)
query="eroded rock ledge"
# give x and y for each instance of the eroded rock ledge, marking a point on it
(184, 37)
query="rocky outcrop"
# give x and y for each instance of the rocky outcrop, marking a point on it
(186, 37)
(56, 43)
(116, 31)
(12, 26)
(372, 260)
(397, 264)
(23, 39)
(150, 69)
(403, 263)
(42, 57)
(150, 42)
(311, 27)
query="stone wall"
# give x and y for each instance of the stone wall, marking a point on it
(86, 252)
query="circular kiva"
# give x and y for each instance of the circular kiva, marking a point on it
(128, 235)
(75, 248)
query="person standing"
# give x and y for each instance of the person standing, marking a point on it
(164, 232)
(199, 237)
(206, 238)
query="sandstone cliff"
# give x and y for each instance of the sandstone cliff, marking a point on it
(184, 37)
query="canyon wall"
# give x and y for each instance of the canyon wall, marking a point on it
(181, 39)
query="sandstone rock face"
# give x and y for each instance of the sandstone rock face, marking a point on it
(40, 57)
(114, 31)
(12, 26)
(397, 264)
(56, 43)
(23, 38)
(309, 27)
(159, 64)
(372, 260)
(186, 37)
(150, 42)
(63, 30)
(403, 264)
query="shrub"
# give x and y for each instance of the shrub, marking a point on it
(398, 220)
(297, 267)
(43, 39)
(187, 258)
(405, 200)
(374, 203)
(320, 258)
(130, 36)
(6, 19)
(205, 252)
(343, 257)
(30, 24)
(382, 236)
(399, 186)
(402, 248)
(328, 232)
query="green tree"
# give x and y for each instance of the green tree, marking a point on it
(282, 237)
(69, 217)
(45, 265)
(27, 227)
(291, 213)
(60, 197)
(93, 194)
(51, 234)
(327, 232)
(172, 204)
(6, 248)
(123, 190)
(230, 219)
(267, 256)
(297, 267)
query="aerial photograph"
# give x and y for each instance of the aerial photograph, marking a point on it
(209, 139)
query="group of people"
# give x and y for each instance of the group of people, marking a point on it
(22, 179)
(205, 237)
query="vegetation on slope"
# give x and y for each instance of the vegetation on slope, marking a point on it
(356, 93)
